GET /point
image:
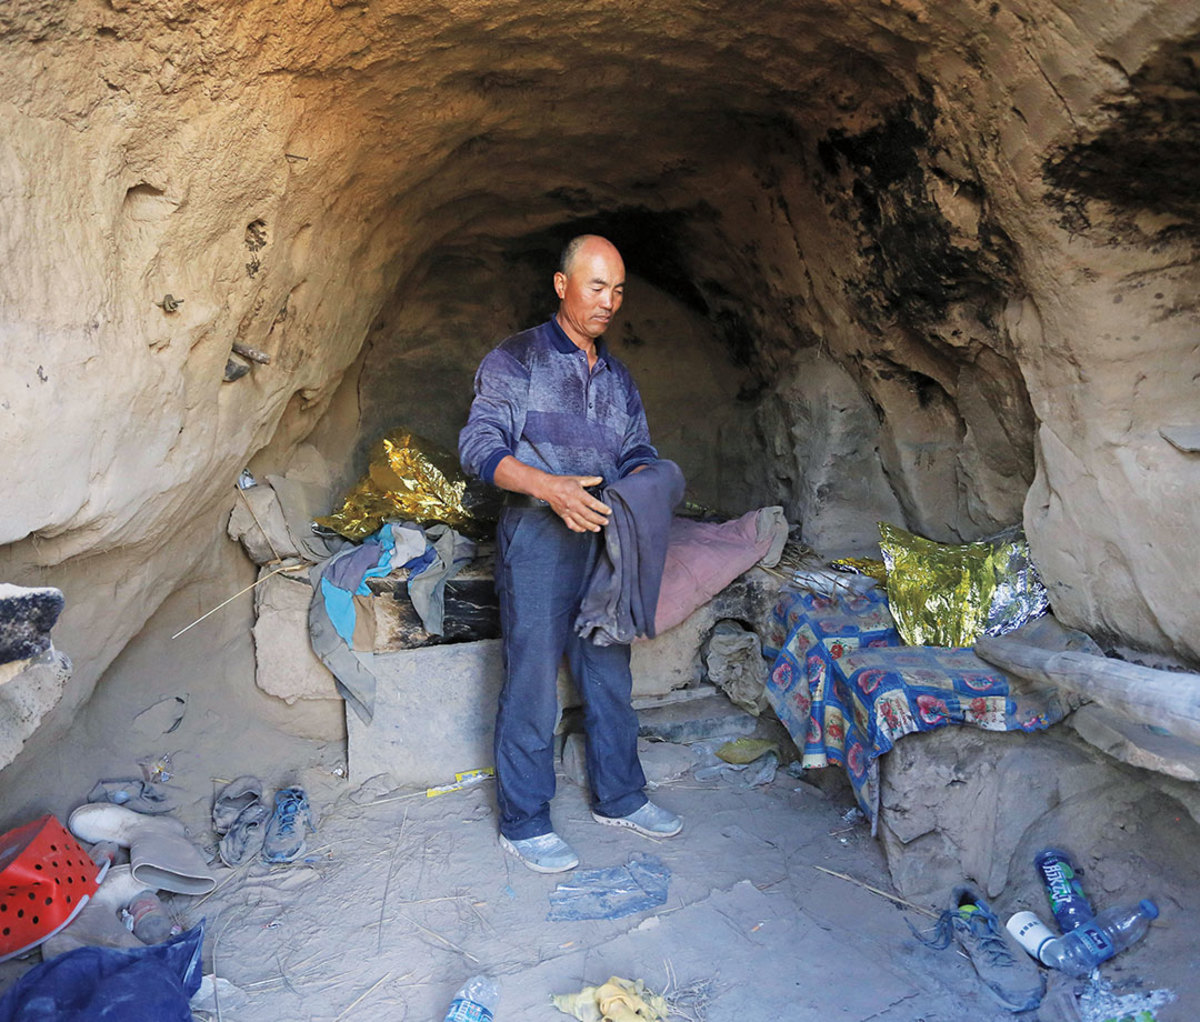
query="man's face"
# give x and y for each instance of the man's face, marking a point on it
(592, 292)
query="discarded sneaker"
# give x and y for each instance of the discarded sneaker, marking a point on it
(1010, 974)
(649, 821)
(231, 800)
(284, 840)
(245, 838)
(546, 853)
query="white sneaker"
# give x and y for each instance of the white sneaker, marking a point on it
(546, 853)
(649, 821)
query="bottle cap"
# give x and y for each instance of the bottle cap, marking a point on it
(1148, 908)
(1030, 932)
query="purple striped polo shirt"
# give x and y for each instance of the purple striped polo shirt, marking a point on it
(536, 400)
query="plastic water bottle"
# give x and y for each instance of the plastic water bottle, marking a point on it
(1080, 950)
(1067, 900)
(475, 1002)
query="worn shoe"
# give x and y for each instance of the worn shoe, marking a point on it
(546, 853)
(284, 840)
(245, 838)
(1010, 974)
(231, 800)
(649, 821)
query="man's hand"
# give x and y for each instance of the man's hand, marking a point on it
(569, 499)
(579, 510)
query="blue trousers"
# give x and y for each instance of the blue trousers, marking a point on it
(542, 571)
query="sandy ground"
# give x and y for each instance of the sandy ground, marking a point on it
(401, 897)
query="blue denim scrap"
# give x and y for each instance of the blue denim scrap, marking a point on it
(611, 893)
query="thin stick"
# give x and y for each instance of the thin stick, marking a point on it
(432, 933)
(286, 567)
(246, 501)
(882, 893)
(236, 870)
(360, 997)
(394, 798)
(388, 883)
(253, 354)
(216, 994)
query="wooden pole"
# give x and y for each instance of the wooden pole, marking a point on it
(1166, 699)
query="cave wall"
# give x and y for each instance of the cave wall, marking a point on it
(973, 223)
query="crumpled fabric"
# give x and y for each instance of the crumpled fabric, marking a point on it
(734, 660)
(344, 575)
(618, 1000)
(436, 555)
(622, 595)
(704, 557)
(427, 586)
(93, 984)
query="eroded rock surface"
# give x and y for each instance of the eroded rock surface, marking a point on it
(945, 251)
(965, 804)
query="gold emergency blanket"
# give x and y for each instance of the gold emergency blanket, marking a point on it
(864, 566)
(943, 595)
(408, 479)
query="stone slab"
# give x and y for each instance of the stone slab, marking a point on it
(285, 665)
(435, 712)
(1135, 743)
(695, 721)
(672, 659)
(662, 762)
(28, 697)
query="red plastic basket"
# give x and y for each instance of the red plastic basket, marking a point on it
(46, 878)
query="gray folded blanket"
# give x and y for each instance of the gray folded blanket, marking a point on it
(622, 594)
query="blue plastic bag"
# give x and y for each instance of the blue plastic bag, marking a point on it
(611, 893)
(100, 984)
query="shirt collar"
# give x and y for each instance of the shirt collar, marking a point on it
(564, 344)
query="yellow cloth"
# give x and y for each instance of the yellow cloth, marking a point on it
(746, 750)
(618, 1000)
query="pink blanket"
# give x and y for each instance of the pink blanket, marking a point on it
(704, 557)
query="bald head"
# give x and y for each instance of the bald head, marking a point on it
(590, 284)
(573, 248)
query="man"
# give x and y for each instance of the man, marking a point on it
(555, 417)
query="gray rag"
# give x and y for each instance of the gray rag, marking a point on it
(355, 683)
(622, 595)
(428, 589)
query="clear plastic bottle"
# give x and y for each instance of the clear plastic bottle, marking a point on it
(475, 1002)
(1078, 952)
